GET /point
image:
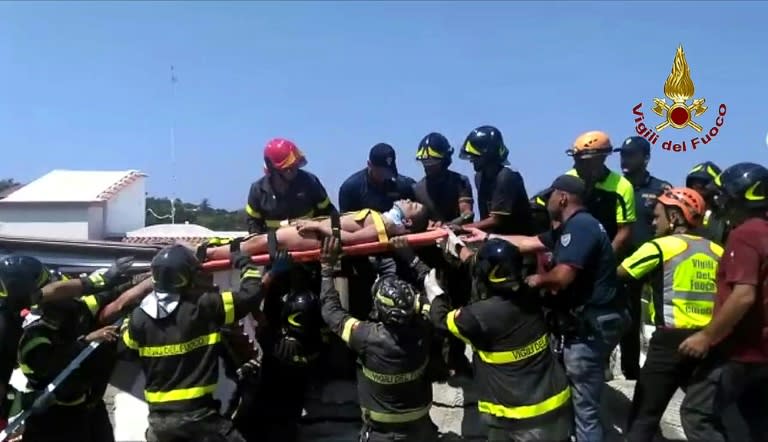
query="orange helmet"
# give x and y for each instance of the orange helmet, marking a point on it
(688, 201)
(591, 144)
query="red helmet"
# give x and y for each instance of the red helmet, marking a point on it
(281, 154)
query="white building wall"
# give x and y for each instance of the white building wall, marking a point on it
(45, 221)
(96, 222)
(126, 211)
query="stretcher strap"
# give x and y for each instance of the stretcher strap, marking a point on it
(378, 221)
(272, 244)
(336, 224)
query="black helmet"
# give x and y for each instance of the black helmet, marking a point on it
(498, 267)
(434, 147)
(21, 278)
(485, 142)
(301, 313)
(539, 201)
(635, 144)
(174, 268)
(743, 185)
(705, 172)
(394, 301)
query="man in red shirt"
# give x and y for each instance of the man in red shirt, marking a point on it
(737, 369)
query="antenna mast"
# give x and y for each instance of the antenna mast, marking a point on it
(173, 146)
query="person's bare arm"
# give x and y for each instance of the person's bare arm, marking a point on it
(128, 298)
(62, 290)
(735, 307)
(623, 234)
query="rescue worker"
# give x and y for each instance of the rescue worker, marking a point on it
(501, 195)
(610, 197)
(736, 339)
(523, 392)
(393, 349)
(286, 191)
(24, 281)
(378, 186)
(54, 334)
(539, 214)
(681, 268)
(446, 194)
(176, 331)
(590, 312)
(635, 154)
(701, 178)
(448, 197)
(292, 343)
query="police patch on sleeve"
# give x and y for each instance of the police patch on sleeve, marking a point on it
(565, 239)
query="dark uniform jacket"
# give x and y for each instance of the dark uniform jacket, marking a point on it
(646, 195)
(305, 198)
(441, 194)
(520, 384)
(47, 346)
(179, 353)
(392, 385)
(505, 195)
(358, 193)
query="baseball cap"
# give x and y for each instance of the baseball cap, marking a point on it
(382, 155)
(570, 184)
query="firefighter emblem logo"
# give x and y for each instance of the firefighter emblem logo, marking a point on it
(679, 88)
(680, 110)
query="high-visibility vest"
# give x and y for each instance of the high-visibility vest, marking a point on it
(687, 296)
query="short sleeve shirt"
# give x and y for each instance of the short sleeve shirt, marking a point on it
(646, 195)
(442, 194)
(505, 195)
(582, 243)
(612, 202)
(358, 193)
(745, 261)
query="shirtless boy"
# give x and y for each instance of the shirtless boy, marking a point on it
(364, 226)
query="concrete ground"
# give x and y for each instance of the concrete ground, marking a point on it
(332, 413)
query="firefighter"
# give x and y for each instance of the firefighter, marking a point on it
(24, 281)
(680, 268)
(523, 392)
(176, 331)
(448, 198)
(393, 349)
(635, 154)
(701, 178)
(286, 191)
(54, 334)
(591, 313)
(610, 197)
(501, 195)
(736, 339)
(292, 342)
(447, 194)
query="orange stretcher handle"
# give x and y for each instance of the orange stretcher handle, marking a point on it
(415, 240)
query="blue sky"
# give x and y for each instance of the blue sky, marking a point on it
(86, 85)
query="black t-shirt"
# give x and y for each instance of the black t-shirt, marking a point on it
(441, 194)
(357, 192)
(505, 195)
(582, 243)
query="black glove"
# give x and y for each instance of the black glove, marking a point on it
(281, 263)
(236, 256)
(98, 280)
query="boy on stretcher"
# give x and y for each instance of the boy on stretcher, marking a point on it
(364, 226)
